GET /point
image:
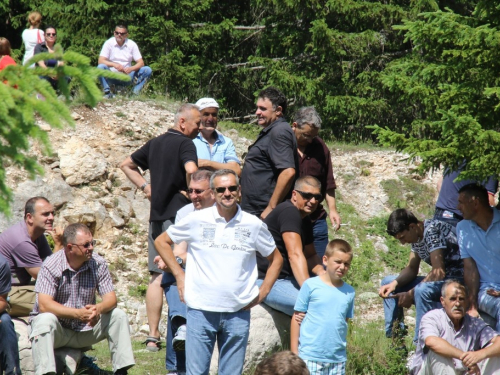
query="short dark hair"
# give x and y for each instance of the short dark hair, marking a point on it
(70, 232)
(29, 207)
(338, 245)
(275, 96)
(121, 26)
(476, 191)
(50, 27)
(282, 363)
(400, 220)
(4, 47)
(223, 172)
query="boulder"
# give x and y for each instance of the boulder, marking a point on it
(269, 332)
(80, 163)
(86, 211)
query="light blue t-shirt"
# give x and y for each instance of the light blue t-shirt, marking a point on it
(323, 331)
(223, 150)
(483, 247)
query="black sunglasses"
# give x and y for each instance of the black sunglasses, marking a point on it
(119, 33)
(309, 196)
(87, 244)
(51, 34)
(196, 191)
(231, 188)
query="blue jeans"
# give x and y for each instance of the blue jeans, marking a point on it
(142, 76)
(230, 329)
(9, 352)
(489, 304)
(320, 233)
(174, 361)
(427, 298)
(283, 295)
(447, 217)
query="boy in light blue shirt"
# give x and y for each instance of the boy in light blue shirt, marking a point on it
(328, 304)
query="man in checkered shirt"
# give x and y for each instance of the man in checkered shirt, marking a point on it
(66, 313)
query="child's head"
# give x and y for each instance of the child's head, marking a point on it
(337, 258)
(282, 363)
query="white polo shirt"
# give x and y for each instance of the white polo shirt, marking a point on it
(221, 266)
(120, 54)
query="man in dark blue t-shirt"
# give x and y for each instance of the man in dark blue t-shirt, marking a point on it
(9, 352)
(292, 231)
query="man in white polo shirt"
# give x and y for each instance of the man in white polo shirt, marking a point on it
(117, 55)
(219, 284)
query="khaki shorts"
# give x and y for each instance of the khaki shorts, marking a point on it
(21, 300)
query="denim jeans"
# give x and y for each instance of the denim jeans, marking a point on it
(320, 233)
(439, 214)
(489, 304)
(174, 361)
(142, 76)
(230, 329)
(283, 295)
(9, 352)
(427, 298)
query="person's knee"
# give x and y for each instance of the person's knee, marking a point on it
(387, 280)
(103, 66)
(46, 319)
(146, 71)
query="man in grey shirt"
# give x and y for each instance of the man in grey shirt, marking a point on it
(452, 342)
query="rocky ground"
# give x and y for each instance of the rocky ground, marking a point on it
(83, 180)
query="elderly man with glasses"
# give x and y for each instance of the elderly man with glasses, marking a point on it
(291, 227)
(219, 283)
(117, 55)
(66, 313)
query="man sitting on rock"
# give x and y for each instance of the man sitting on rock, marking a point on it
(9, 352)
(432, 241)
(202, 197)
(292, 231)
(25, 247)
(116, 55)
(66, 313)
(214, 150)
(452, 342)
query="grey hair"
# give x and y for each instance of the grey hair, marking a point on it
(223, 172)
(307, 180)
(201, 175)
(70, 232)
(184, 110)
(307, 116)
(452, 281)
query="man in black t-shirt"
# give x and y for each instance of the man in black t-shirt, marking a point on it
(292, 231)
(171, 159)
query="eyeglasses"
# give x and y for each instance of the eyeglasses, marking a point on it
(196, 191)
(119, 33)
(231, 188)
(309, 196)
(51, 34)
(86, 245)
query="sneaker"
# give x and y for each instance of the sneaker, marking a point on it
(88, 367)
(409, 359)
(179, 341)
(108, 95)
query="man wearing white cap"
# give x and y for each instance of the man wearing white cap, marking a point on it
(214, 150)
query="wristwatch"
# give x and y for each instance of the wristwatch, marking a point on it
(179, 261)
(143, 186)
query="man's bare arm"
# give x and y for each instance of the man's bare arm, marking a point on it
(163, 245)
(471, 280)
(232, 165)
(438, 272)
(442, 347)
(33, 271)
(474, 357)
(332, 208)
(133, 173)
(314, 263)
(46, 303)
(111, 64)
(3, 302)
(298, 262)
(283, 185)
(190, 168)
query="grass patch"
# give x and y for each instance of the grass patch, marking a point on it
(139, 285)
(120, 114)
(122, 240)
(249, 131)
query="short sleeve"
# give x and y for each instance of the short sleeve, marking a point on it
(46, 282)
(428, 328)
(460, 239)
(141, 156)
(492, 185)
(302, 302)
(105, 51)
(289, 220)
(180, 231)
(25, 254)
(350, 311)
(188, 152)
(105, 283)
(4, 277)
(434, 238)
(230, 154)
(281, 149)
(264, 243)
(38, 49)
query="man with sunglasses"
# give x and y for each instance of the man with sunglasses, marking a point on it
(291, 227)
(219, 283)
(117, 55)
(25, 247)
(201, 197)
(66, 313)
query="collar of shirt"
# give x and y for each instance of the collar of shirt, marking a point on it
(275, 123)
(496, 218)
(125, 43)
(217, 138)
(218, 218)
(65, 265)
(465, 322)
